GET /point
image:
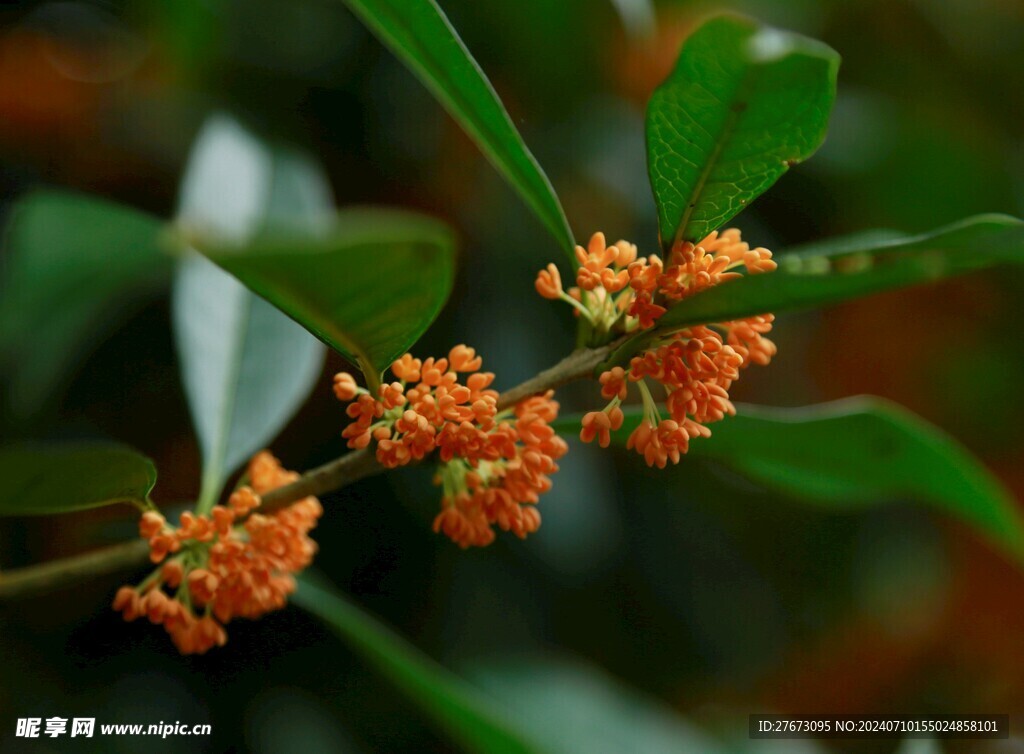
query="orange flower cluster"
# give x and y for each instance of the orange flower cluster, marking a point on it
(231, 563)
(494, 464)
(619, 292)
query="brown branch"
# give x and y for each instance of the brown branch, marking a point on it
(57, 574)
(331, 476)
(580, 363)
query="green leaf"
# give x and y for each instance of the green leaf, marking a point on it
(574, 709)
(447, 700)
(45, 479)
(849, 267)
(419, 34)
(742, 105)
(368, 288)
(852, 453)
(846, 268)
(246, 367)
(74, 265)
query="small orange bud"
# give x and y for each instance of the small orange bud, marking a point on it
(625, 253)
(155, 605)
(172, 573)
(126, 601)
(464, 359)
(392, 395)
(549, 282)
(616, 417)
(243, 501)
(407, 368)
(151, 524)
(613, 383)
(223, 519)
(596, 424)
(202, 584)
(345, 387)
(161, 544)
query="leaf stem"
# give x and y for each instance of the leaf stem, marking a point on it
(584, 311)
(209, 488)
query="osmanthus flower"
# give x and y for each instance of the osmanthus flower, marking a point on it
(493, 465)
(233, 563)
(618, 293)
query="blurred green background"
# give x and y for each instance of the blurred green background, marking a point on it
(710, 596)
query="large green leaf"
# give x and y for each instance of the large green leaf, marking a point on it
(742, 105)
(73, 265)
(418, 33)
(855, 452)
(451, 703)
(849, 267)
(368, 288)
(45, 479)
(246, 367)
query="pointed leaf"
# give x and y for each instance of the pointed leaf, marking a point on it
(450, 702)
(743, 104)
(46, 479)
(72, 264)
(246, 367)
(845, 268)
(420, 35)
(852, 453)
(368, 288)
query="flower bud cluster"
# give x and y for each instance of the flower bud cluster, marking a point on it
(234, 562)
(619, 293)
(494, 464)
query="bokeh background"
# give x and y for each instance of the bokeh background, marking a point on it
(709, 596)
